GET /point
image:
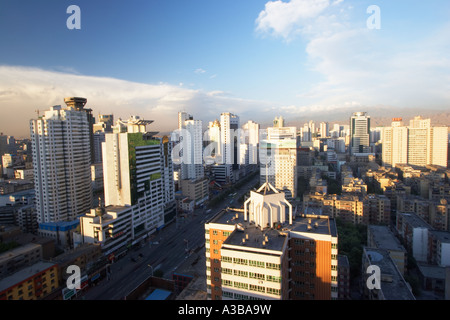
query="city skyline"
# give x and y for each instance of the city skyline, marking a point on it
(257, 59)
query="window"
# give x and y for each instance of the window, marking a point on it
(241, 273)
(227, 283)
(258, 264)
(273, 266)
(273, 279)
(227, 271)
(240, 261)
(240, 285)
(257, 276)
(257, 288)
(227, 259)
(274, 291)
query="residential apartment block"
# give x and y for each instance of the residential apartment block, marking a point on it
(61, 160)
(417, 144)
(264, 253)
(139, 188)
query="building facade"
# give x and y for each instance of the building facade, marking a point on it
(262, 253)
(61, 160)
(417, 144)
(359, 133)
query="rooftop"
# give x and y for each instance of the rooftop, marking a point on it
(414, 220)
(384, 238)
(248, 234)
(24, 274)
(393, 285)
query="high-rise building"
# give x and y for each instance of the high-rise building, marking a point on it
(192, 182)
(138, 184)
(192, 147)
(230, 138)
(263, 253)
(395, 143)
(214, 143)
(417, 144)
(278, 159)
(104, 125)
(251, 130)
(359, 133)
(61, 160)
(324, 129)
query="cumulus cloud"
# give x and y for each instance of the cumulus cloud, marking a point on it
(25, 90)
(358, 65)
(286, 19)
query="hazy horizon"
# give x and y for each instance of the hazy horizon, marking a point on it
(300, 59)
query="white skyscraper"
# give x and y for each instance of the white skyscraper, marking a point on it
(192, 142)
(324, 129)
(230, 138)
(359, 133)
(395, 144)
(278, 159)
(418, 144)
(251, 134)
(62, 162)
(137, 172)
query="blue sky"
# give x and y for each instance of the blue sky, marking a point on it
(257, 58)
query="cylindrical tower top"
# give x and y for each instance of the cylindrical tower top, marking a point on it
(75, 102)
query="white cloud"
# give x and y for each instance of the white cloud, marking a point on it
(286, 19)
(371, 67)
(199, 71)
(25, 90)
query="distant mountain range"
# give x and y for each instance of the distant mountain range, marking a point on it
(380, 116)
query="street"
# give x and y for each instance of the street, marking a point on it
(166, 251)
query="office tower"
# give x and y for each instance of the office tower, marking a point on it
(61, 161)
(230, 138)
(104, 124)
(263, 253)
(192, 181)
(324, 130)
(307, 132)
(395, 143)
(214, 143)
(278, 159)
(78, 104)
(278, 122)
(359, 133)
(251, 134)
(427, 144)
(417, 144)
(192, 146)
(7, 145)
(137, 171)
(7, 162)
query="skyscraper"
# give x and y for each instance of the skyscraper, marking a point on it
(324, 129)
(230, 138)
(193, 183)
(417, 144)
(137, 171)
(251, 130)
(278, 157)
(61, 144)
(192, 142)
(359, 133)
(265, 254)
